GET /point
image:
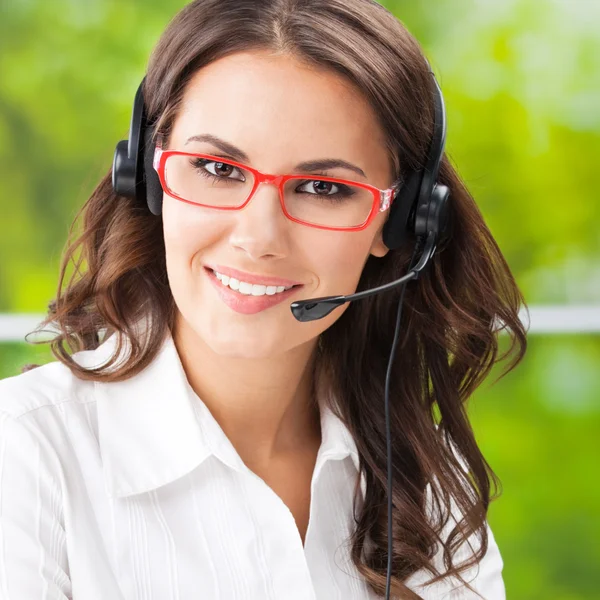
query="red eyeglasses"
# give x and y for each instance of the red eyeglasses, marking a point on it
(317, 201)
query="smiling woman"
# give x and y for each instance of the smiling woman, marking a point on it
(194, 435)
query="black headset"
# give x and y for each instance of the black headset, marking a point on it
(419, 209)
(421, 205)
(133, 175)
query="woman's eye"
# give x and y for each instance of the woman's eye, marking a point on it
(322, 188)
(216, 169)
(222, 169)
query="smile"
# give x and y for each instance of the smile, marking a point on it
(248, 298)
(250, 289)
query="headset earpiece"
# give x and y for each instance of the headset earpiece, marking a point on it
(133, 175)
(421, 204)
(432, 216)
(398, 227)
(123, 170)
(126, 173)
(153, 188)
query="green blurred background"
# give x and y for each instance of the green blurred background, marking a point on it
(521, 79)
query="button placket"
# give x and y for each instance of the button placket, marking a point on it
(282, 543)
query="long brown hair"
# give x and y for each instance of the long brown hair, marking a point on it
(452, 314)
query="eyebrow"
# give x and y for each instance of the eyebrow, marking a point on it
(303, 167)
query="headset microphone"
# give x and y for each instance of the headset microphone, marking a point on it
(317, 308)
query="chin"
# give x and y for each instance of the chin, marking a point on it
(246, 350)
(247, 355)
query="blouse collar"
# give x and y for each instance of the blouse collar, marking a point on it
(153, 428)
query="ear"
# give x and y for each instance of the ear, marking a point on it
(378, 248)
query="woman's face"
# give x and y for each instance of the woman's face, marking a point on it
(279, 112)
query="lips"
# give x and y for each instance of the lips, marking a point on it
(252, 278)
(247, 304)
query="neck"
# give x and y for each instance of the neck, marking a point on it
(265, 406)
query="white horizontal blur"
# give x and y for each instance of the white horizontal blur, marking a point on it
(543, 320)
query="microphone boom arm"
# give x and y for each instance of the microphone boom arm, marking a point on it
(317, 308)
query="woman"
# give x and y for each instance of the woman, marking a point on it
(200, 442)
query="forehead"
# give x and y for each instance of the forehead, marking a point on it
(281, 111)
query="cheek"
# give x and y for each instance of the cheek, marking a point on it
(187, 231)
(339, 258)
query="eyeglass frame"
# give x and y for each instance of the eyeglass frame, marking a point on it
(382, 199)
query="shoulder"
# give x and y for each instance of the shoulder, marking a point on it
(46, 386)
(50, 385)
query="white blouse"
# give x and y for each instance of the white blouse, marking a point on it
(131, 491)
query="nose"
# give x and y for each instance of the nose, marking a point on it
(261, 226)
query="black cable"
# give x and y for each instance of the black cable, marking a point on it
(387, 423)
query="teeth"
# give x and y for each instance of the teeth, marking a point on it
(245, 288)
(250, 289)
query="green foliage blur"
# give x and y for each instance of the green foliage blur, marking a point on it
(521, 80)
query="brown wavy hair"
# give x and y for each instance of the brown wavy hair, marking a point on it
(451, 318)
